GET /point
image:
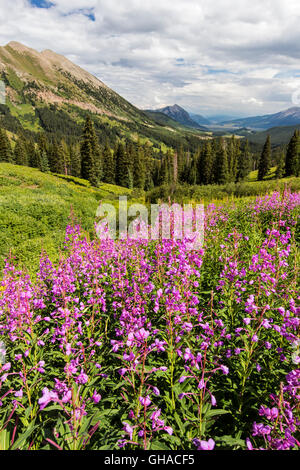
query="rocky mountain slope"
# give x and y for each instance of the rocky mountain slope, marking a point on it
(289, 117)
(46, 91)
(180, 115)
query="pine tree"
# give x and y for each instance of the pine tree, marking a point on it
(236, 158)
(42, 144)
(149, 183)
(164, 171)
(171, 167)
(122, 166)
(20, 155)
(233, 155)
(191, 171)
(292, 161)
(5, 148)
(155, 172)
(89, 153)
(65, 152)
(265, 160)
(175, 167)
(139, 170)
(75, 163)
(148, 168)
(221, 165)
(63, 159)
(206, 162)
(56, 158)
(109, 166)
(230, 157)
(88, 170)
(44, 164)
(130, 150)
(180, 162)
(243, 167)
(96, 153)
(33, 154)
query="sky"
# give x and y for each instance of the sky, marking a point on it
(232, 57)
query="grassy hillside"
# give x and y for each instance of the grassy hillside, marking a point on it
(219, 193)
(35, 209)
(253, 175)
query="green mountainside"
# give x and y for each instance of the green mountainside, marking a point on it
(279, 135)
(45, 91)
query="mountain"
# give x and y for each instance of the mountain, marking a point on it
(180, 115)
(163, 119)
(218, 118)
(199, 119)
(290, 117)
(46, 77)
(46, 91)
(279, 135)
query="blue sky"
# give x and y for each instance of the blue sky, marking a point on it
(41, 3)
(88, 12)
(227, 56)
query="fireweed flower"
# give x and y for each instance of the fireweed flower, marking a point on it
(47, 397)
(204, 445)
(129, 357)
(213, 400)
(130, 317)
(145, 401)
(96, 397)
(82, 378)
(201, 384)
(142, 334)
(159, 345)
(225, 370)
(169, 430)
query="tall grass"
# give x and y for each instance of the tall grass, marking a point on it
(35, 209)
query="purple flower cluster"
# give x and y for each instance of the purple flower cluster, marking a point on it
(152, 343)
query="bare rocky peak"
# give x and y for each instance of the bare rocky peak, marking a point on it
(48, 60)
(60, 61)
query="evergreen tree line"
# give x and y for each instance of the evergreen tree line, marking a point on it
(128, 164)
(217, 161)
(136, 165)
(288, 163)
(222, 160)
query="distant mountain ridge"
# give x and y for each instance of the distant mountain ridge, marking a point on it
(289, 117)
(47, 92)
(199, 119)
(180, 115)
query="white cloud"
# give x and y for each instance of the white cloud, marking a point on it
(221, 56)
(253, 101)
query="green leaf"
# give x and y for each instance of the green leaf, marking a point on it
(212, 413)
(24, 436)
(179, 422)
(4, 439)
(158, 445)
(231, 441)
